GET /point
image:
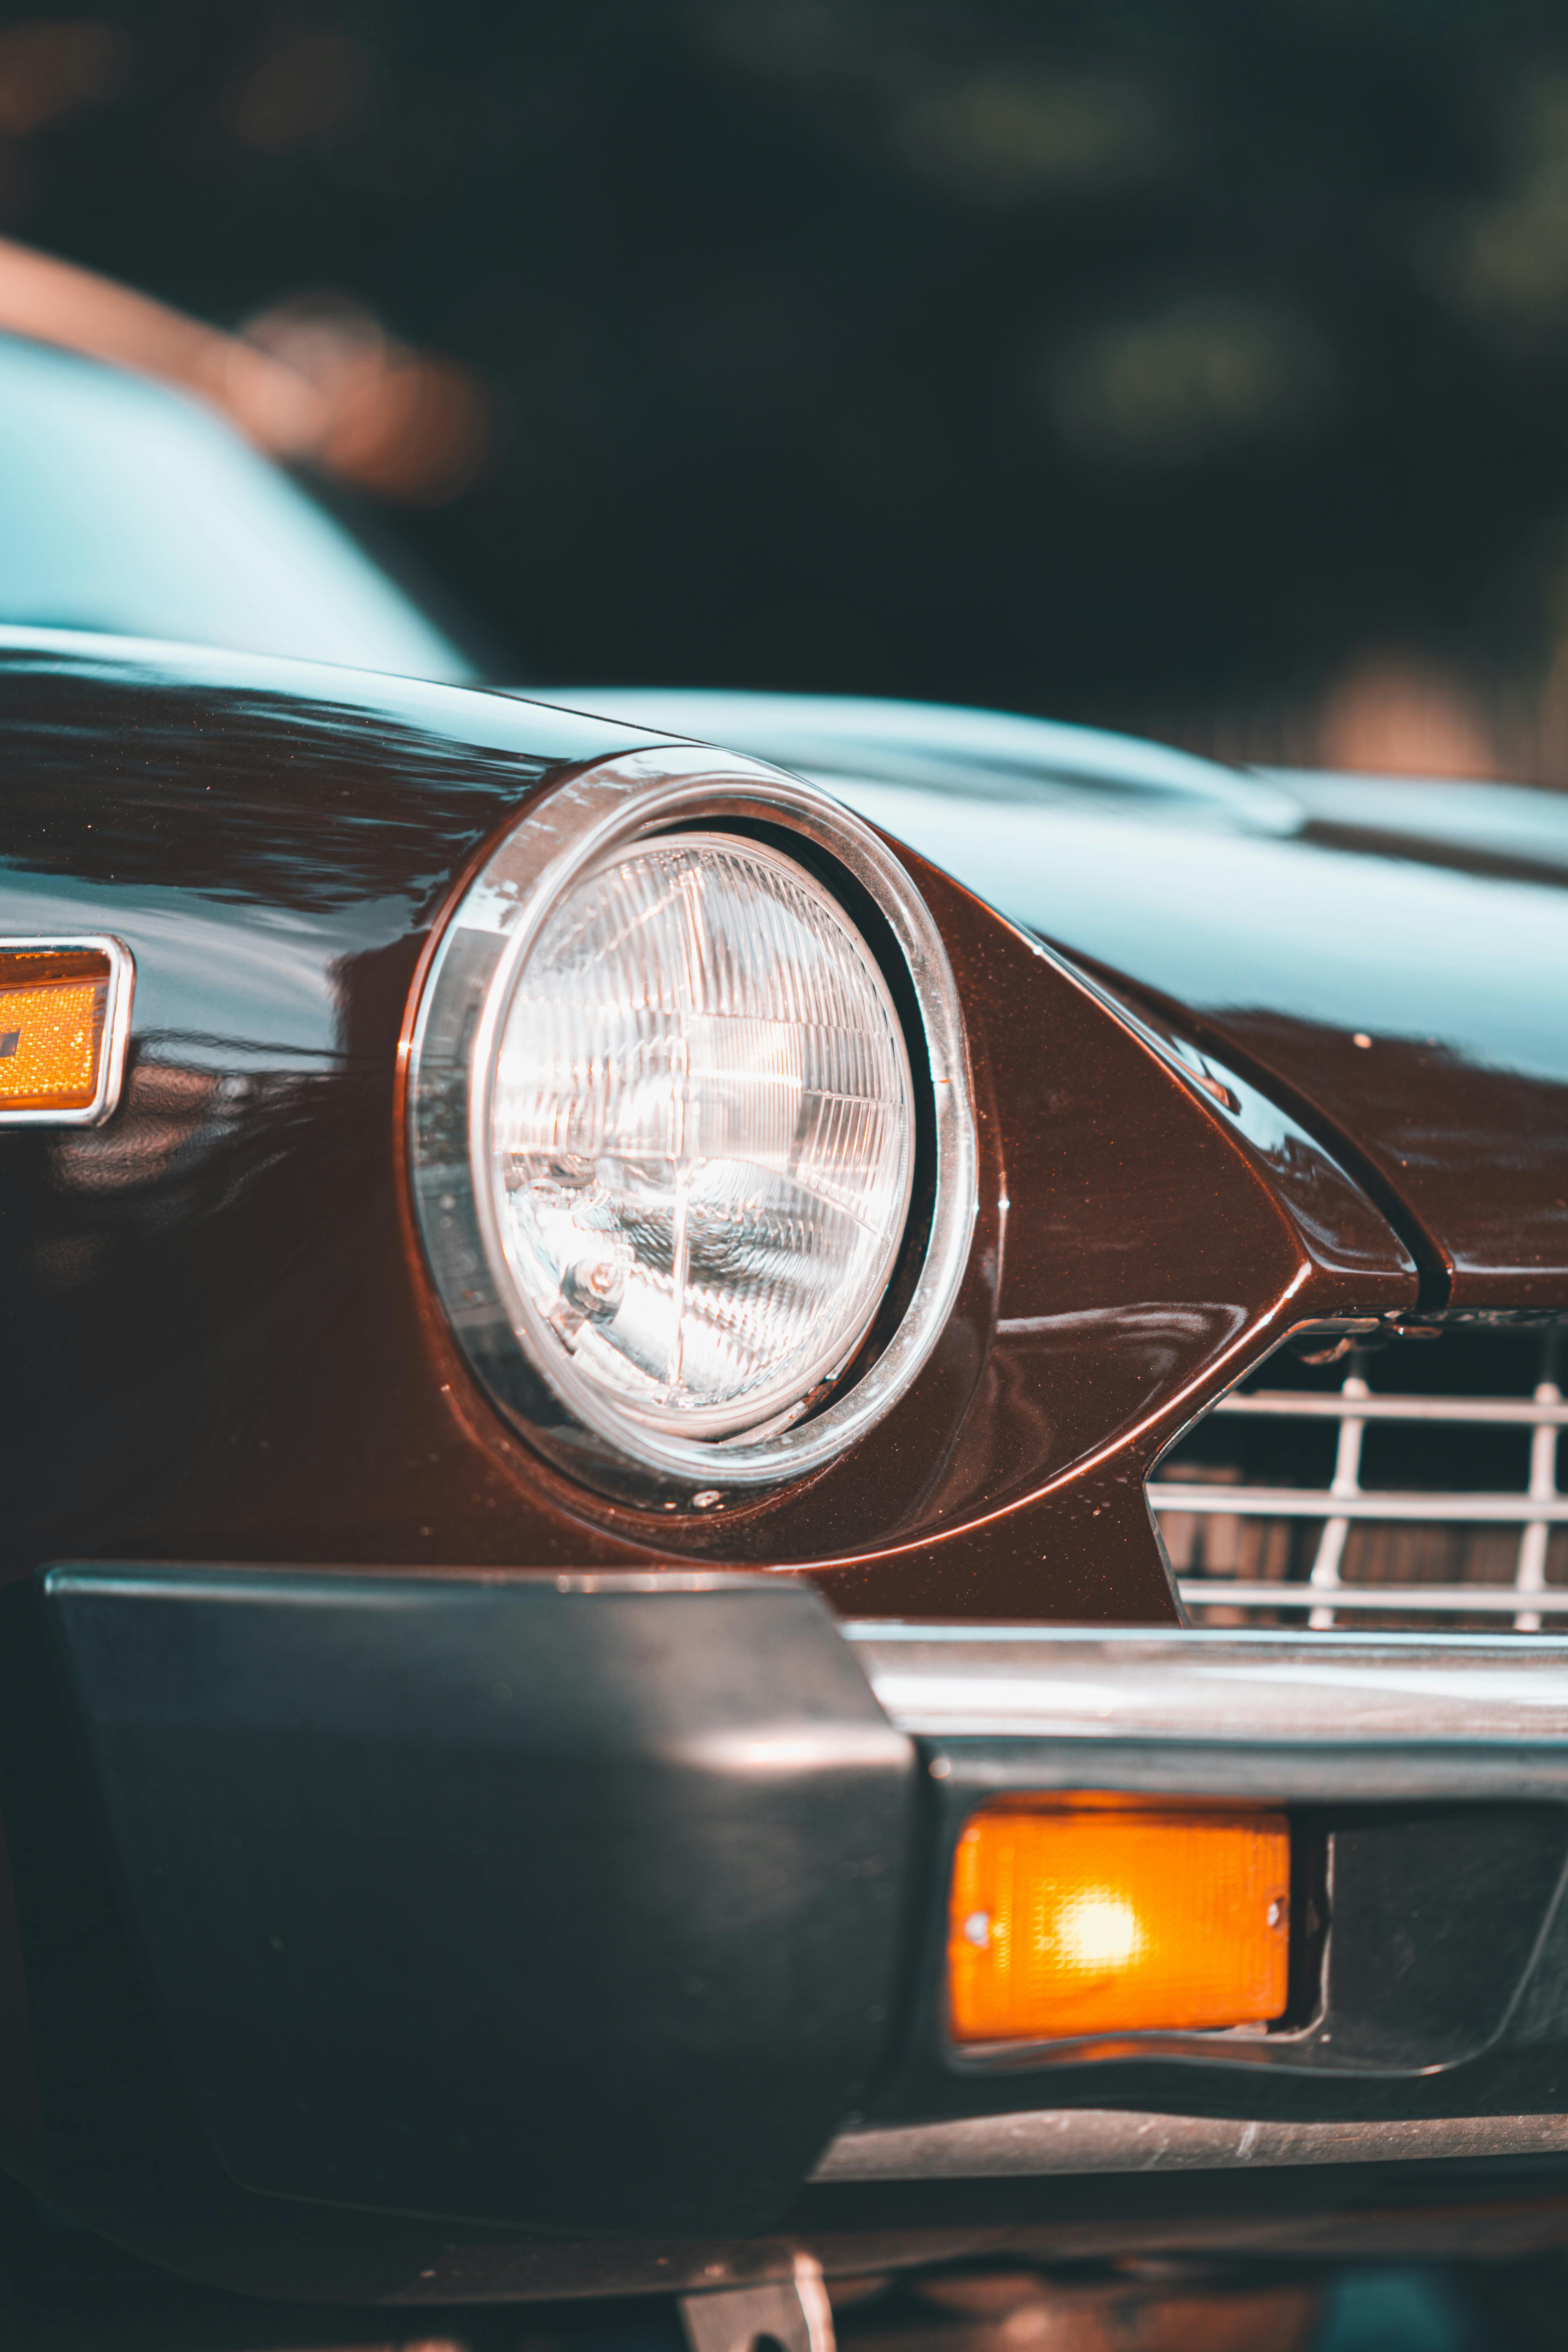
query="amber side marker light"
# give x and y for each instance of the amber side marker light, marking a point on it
(1097, 1918)
(64, 1013)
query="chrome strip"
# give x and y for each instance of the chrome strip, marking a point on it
(1385, 1600)
(1471, 1510)
(1241, 1687)
(1284, 1404)
(1104, 2140)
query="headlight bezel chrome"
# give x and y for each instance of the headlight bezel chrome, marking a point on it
(560, 837)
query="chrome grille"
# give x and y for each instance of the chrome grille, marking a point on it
(1415, 1482)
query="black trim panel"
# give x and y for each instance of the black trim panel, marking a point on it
(565, 1902)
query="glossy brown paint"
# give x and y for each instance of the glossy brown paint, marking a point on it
(1147, 1242)
(1478, 1155)
(235, 1353)
(1469, 1160)
(1284, 917)
(1445, 1149)
(1446, 1091)
(1468, 1157)
(1131, 1240)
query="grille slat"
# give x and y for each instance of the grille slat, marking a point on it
(1504, 1412)
(1313, 1503)
(1529, 1576)
(1441, 1499)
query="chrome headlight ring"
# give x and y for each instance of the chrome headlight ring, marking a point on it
(564, 836)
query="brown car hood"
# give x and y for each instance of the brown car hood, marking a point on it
(1389, 958)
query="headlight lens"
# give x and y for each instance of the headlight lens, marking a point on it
(688, 1122)
(702, 1132)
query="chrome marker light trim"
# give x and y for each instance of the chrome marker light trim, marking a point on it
(121, 985)
(564, 835)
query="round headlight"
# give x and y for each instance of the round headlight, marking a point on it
(702, 1132)
(666, 1123)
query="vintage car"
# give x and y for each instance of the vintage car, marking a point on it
(781, 1472)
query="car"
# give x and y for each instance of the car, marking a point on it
(781, 1471)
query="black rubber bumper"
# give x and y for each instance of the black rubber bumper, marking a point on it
(570, 1903)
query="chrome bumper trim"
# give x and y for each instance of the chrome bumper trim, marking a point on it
(1378, 1600)
(1106, 2139)
(1270, 1688)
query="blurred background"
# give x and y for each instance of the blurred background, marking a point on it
(1198, 370)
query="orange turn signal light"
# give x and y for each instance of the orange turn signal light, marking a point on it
(1082, 1918)
(55, 1036)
